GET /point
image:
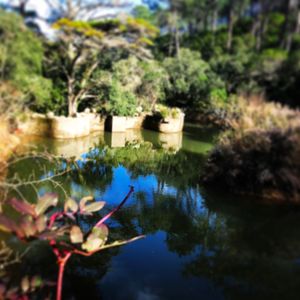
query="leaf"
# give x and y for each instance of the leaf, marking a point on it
(76, 235)
(96, 206)
(71, 205)
(96, 239)
(25, 284)
(28, 226)
(22, 207)
(84, 200)
(121, 243)
(36, 281)
(41, 223)
(45, 202)
(50, 235)
(7, 225)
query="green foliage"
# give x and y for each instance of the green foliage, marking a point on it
(21, 57)
(78, 27)
(121, 102)
(273, 35)
(134, 85)
(143, 12)
(266, 68)
(167, 112)
(233, 68)
(191, 81)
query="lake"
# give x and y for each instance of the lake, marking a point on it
(199, 244)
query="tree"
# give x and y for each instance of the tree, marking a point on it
(233, 9)
(192, 82)
(143, 12)
(291, 25)
(21, 57)
(144, 80)
(80, 45)
(22, 7)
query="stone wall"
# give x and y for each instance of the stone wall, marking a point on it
(87, 123)
(172, 125)
(168, 125)
(61, 127)
(121, 124)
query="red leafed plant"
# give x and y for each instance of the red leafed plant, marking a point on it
(61, 228)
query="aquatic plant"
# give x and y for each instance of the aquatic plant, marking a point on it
(62, 228)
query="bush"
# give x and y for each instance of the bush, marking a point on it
(259, 154)
(121, 102)
(134, 82)
(21, 56)
(167, 112)
(233, 70)
(191, 81)
(289, 80)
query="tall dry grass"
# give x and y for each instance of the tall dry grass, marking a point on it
(260, 153)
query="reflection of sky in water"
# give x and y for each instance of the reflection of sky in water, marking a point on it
(148, 270)
(134, 272)
(121, 182)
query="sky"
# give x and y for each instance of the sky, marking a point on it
(43, 11)
(42, 8)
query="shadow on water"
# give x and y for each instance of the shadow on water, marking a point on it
(199, 244)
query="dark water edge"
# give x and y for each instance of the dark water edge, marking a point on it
(200, 244)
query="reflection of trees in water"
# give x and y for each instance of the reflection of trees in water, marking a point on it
(254, 253)
(248, 251)
(95, 170)
(142, 159)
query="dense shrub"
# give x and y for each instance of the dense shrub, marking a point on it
(289, 79)
(259, 155)
(134, 86)
(192, 82)
(121, 102)
(21, 56)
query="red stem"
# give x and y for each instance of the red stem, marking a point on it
(115, 209)
(53, 218)
(61, 263)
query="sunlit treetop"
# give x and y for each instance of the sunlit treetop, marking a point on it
(78, 27)
(138, 30)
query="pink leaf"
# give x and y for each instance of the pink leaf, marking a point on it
(8, 225)
(22, 207)
(45, 202)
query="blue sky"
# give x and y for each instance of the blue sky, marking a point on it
(42, 8)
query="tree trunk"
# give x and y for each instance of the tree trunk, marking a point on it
(72, 107)
(230, 29)
(176, 34)
(170, 50)
(72, 103)
(22, 7)
(298, 23)
(177, 42)
(291, 23)
(214, 24)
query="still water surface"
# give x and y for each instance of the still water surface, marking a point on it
(200, 244)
